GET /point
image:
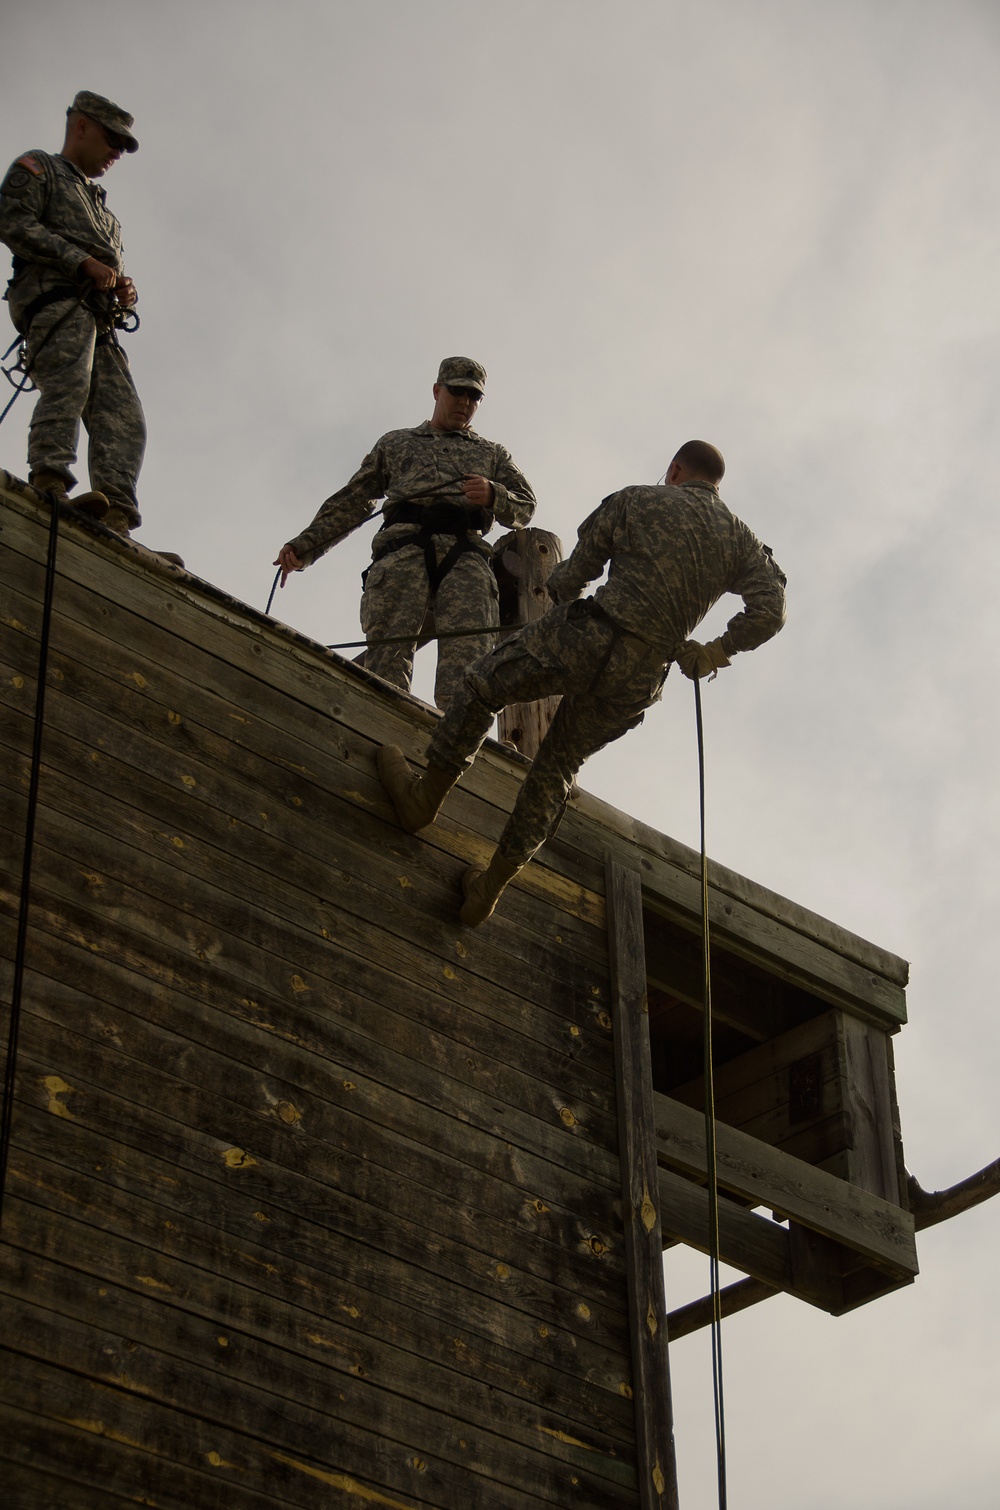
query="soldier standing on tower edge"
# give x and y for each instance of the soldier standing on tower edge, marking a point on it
(68, 283)
(444, 486)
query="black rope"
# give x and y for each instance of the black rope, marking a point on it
(711, 1151)
(7, 1111)
(274, 589)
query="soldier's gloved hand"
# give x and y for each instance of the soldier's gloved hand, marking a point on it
(697, 660)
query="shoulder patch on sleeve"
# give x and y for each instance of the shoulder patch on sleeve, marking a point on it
(32, 164)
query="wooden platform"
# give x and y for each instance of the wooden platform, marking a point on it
(315, 1196)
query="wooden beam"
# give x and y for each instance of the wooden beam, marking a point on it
(655, 1460)
(932, 1206)
(878, 1230)
(733, 1298)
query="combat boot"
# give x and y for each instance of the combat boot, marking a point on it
(94, 504)
(483, 888)
(417, 799)
(117, 519)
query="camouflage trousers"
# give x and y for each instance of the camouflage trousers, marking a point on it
(78, 378)
(395, 603)
(607, 679)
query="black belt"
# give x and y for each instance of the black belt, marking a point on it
(436, 519)
(57, 295)
(42, 301)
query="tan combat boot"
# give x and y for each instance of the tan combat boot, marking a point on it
(417, 799)
(483, 888)
(94, 504)
(117, 519)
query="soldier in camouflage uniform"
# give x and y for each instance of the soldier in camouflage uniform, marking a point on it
(444, 486)
(68, 278)
(674, 551)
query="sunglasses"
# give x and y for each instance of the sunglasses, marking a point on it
(458, 392)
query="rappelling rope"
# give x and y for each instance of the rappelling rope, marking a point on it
(711, 1151)
(7, 1110)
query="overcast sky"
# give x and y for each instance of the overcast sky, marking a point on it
(770, 224)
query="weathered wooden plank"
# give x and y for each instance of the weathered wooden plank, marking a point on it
(753, 1091)
(656, 1461)
(767, 1177)
(276, 963)
(732, 1299)
(557, 1118)
(343, 1325)
(743, 995)
(308, 1125)
(197, 1004)
(340, 984)
(88, 1453)
(311, 1045)
(289, 1217)
(189, 723)
(140, 1346)
(28, 1487)
(752, 932)
(751, 1243)
(429, 1207)
(870, 1107)
(263, 656)
(762, 940)
(216, 1462)
(179, 1222)
(316, 829)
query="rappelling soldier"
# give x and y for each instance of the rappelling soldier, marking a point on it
(444, 486)
(673, 552)
(68, 294)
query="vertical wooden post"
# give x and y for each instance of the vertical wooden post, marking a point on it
(657, 1466)
(522, 561)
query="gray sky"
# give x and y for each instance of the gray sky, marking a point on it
(770, 224)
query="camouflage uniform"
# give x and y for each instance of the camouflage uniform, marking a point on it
(674, 551)
(424, 468)
(52, 217)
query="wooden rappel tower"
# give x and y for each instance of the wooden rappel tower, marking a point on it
(315, 1198)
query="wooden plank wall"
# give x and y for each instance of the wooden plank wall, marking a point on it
(314, 1196)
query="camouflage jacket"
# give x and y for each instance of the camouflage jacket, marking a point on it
(674, 551)
(53, 217)
(421, 466)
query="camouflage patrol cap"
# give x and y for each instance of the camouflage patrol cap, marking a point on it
(462, 372)
(106, 113)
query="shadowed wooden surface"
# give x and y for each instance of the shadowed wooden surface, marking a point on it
(315, 1195)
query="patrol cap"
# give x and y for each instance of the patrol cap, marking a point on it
(462, 372)
(106, 113)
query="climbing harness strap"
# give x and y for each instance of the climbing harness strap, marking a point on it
(434, 519)
(42, 301)
(19, 375)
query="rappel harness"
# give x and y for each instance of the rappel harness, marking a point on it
(116, 317)
(435, 519)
